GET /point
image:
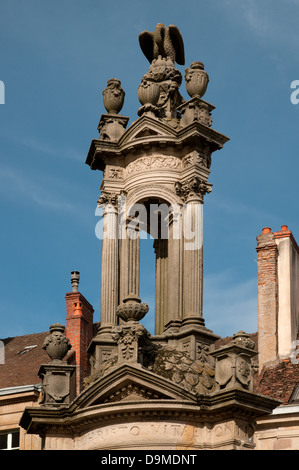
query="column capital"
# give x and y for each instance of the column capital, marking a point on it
(193, 189)
(108, 201)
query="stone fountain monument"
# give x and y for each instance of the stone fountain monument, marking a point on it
(172, 389)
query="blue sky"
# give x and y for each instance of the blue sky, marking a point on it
(56, 58)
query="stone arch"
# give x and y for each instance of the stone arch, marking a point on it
(151, 191)
(167, 300)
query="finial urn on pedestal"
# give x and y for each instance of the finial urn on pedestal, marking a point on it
(131, 336)
(57, 344)
(113, 96)
(196, 79)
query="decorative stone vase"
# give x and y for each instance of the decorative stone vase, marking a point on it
(113, 96)
(132, 309)
(148, 92)
(57, 344)
(196, 79)
(243, 339)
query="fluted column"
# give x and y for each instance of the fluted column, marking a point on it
(161, 295)
(193, 264)
(110, 268)
(174, 270)
(129, 264)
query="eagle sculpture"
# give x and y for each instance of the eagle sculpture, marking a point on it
(164, 41)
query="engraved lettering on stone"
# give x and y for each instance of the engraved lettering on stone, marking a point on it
(135, 430)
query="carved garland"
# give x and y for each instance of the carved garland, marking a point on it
(149, 163)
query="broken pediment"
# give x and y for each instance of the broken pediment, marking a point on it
(130, 383)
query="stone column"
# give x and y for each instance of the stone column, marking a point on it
(110, 267)
(129, 264)
(174, 269)
(193, 263)
(161, 295)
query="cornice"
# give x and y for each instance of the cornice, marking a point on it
(195, 133)
(211, 408)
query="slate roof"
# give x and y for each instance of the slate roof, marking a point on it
(279, 381)
(23, 357)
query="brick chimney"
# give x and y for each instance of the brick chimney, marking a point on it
(79, 329)
(278, 294)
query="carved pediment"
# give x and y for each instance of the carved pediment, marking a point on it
(129, 390)
(129, 383)
(145, 133)
(146, 128)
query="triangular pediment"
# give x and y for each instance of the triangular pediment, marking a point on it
(146, 128)
(129, 383)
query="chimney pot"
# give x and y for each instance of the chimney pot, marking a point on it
(284, 228)
(266, 230)
(75, 278)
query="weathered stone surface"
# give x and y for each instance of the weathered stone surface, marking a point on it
(195, 376)
(168, 390)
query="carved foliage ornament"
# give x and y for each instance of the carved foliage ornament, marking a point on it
(109, 199)
(129, 337)
(195, 158)
(149, 163)
(194, 187)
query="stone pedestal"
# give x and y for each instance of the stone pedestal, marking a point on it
(59, 384)
(234, 366)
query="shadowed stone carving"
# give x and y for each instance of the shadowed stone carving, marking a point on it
(163, 41)
(57, 344)
(196, 376)
(113, 96)
(234, 365)
(58, 378)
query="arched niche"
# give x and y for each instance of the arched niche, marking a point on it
(155, 210)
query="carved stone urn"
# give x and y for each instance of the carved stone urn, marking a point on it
(57, 344)
(148, 92)
(113, 96)
(196, 79)
(132, 309)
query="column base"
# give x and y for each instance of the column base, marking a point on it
(104, 331)
(173, 326)
(194, 321)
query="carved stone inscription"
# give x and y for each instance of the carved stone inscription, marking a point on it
(170, 435)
